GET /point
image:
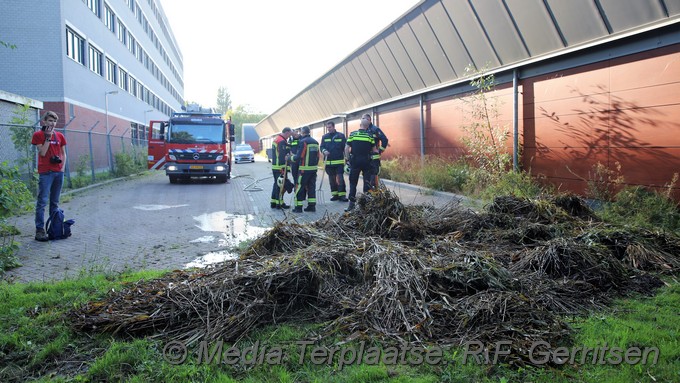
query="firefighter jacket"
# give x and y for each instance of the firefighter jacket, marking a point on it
(334, 143)
(307, 156)
(362, 143)
(293, 143)
(279, 151)
(380, 140)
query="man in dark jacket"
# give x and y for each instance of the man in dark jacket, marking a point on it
(381, 142)
(307, 159)
(293, 142)
(333, 149)
(280, 153)
(360, 146)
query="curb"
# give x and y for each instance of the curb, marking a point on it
(425, 190)
(98, 184)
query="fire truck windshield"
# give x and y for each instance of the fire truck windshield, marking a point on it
(196, 133)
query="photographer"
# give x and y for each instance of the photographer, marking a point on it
(51, 161)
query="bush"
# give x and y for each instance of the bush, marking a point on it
(445, 174)
(517, 184)
(126, 164)
(15, 198)
(401, 169)
(642, 207)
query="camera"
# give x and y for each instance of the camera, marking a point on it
(55, 159)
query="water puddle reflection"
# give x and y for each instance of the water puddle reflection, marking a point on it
(233, 229)
(157, 207)
(211, 258)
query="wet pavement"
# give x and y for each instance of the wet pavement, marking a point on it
(143, 222)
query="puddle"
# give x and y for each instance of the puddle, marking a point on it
(206, 239)
(157, 207)
(211, 258)
(233, 229)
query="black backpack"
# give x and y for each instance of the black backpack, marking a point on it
(58, 227)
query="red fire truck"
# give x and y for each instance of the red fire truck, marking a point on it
(193, 143)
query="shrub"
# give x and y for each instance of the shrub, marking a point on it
(642, 207)
(15, 198)
(603, 182)
(517, 184)
(444, 174)
(127, 164)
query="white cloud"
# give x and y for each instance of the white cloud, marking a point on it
(267, 51)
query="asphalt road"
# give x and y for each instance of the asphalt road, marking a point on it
(144, 222)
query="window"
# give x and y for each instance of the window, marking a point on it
(75, 46)
(94, 6)
(132, 45)
(95, 60)
(123, 79)
(133, 86)
(109, 19)
(110, 71)
(122, 32)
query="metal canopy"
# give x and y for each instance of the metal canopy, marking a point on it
(432, 44)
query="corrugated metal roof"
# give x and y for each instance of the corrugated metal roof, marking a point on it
(433, 43)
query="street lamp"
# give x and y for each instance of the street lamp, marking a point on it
(108, 133)
(144, 125)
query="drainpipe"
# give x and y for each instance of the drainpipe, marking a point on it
(422, 130)
(515, 120)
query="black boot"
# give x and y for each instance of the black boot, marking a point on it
(298, 209)
(311, 208)
(350, 207)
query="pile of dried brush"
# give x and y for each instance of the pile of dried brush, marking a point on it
(408, 273)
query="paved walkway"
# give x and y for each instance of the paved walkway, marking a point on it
(143, 222)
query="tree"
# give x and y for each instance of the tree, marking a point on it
(223, 100)
(485, 138)
(242, 115)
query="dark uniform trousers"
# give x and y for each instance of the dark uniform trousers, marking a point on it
(359, 164)
(306, 188)
(336, 180)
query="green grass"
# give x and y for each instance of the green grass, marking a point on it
(36, 342)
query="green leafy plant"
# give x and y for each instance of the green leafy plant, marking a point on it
(15, 198)
(485, 138)
(642, 207)
(21, 134)
(603, 182)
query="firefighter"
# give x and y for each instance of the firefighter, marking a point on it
(280, 154)
(358, 150)
(333, 147)
(293, 143)
(381, 142)
(307, 158)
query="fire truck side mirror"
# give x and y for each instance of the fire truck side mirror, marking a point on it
(232, 138)
(231, 130)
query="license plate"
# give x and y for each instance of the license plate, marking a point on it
(196, 167)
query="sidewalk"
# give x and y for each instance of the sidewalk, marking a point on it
(142, 222)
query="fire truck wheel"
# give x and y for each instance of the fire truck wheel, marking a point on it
(173, 179)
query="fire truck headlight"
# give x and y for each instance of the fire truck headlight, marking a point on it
(172, 157)
(219, 158)
(220, 168)
(172, 168)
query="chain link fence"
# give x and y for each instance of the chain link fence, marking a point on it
(90, 155)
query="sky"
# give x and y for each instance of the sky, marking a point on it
(266, 51)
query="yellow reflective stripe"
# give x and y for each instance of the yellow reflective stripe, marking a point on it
(335, 162)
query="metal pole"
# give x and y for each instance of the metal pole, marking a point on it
(89, 138)
(422, 131)
(108, 132)
(515, 119)
(67, 169)
(122, 144)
